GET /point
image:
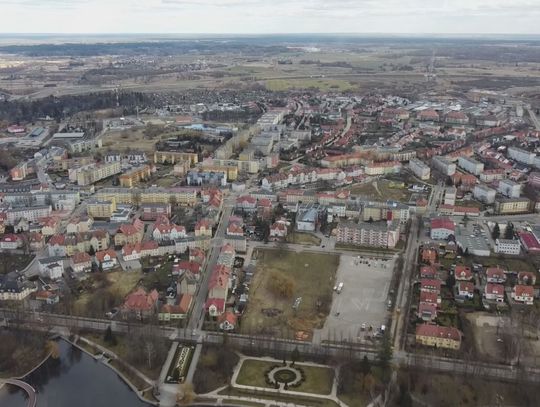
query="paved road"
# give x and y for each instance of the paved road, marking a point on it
(45, 321)
(197, 316)
(32, 400)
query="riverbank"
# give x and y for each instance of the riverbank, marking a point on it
(141, 385)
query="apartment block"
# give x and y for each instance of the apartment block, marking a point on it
(419, 169)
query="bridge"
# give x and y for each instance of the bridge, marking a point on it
(32, 399)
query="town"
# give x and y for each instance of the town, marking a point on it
(295, 247)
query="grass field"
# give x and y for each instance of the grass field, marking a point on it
(314, 276)
(322, 84)
(381, 190)
(318, 379)
(303, 238)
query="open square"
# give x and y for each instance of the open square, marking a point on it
(311, 277)
(363, 301)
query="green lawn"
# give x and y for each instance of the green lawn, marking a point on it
(303, 238)
(318, 379)
(322, 84)
(313, 275)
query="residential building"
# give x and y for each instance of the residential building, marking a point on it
(471, 165)
(419, 169)
(384, 235)
(494, 292)
(507, 246)
(30, 214)
(508, 206)
(51, 267)
(441, 228)
(155, 211)
(15, 287)
(463, 273)
(278, 231)
(106, 259)
(129, 233)
(509, 188)
(450, 195)
(521, 156)
(443, 165)
(81, 262)
(92, 173)
(101, 209)
(495, 275)
(203, 228)
(172, 157)
(438, 336)
(523, 294)
(134, 176)
(140, 303)
(465, 290)
(484, 194)
(307, 219)
(10, 242)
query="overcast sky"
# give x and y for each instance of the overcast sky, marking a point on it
(270, 16)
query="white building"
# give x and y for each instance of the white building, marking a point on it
(450, 196)
(507, 246)
(441, 228)
(52, 267)
(443, 165)
(509, 188)
(419, 169)
(484, 194)
(521, 156)
(31, 213)
(471, 165)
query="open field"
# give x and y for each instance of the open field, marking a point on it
(129, 139)
(303, 238)
(313, 275)
(381, 190)
(318, 379)
(323, 85)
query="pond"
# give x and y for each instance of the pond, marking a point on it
(75, 379)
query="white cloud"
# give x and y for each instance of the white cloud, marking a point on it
(267, 16)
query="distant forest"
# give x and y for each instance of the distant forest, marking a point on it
(65, 106)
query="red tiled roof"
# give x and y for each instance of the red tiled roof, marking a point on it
(524, 290)
(442, 223)
(100, 256)
(140, 300)
(492, 288)
(79, 258)
(219, 303)
(463, 273)
(435, 331)
(466, 286)
(427, 297)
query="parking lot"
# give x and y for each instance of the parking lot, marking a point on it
(363, 301)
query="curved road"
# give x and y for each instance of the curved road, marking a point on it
(32, 400)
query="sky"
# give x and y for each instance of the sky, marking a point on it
(271, 16)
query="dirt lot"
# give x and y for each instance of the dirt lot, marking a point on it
(128, 140)
(313, 275)
(381, 190)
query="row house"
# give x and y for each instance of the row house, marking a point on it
(163, 229)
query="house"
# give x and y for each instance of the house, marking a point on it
(429, 298)
(278, 231)
(15, 287)
(465, 290)
(197, 255)
(495, 275)
(170, 312)
(429, 272)
(523, 294)
(494, 292)
(203, 227)
(129, 233)
(227, 321)
(36, 241)
(49, 225)
(438, 336)
(106, 259)
(463, 273)
(187, 267)
(215, 306)
(430, 286)
(99, 240)
(427, 312)
(165, 230)
(246, 203)
(79, 224)
(47, 296)
(218, 285)
(235, 229)
(56, 245)
(526, 278)
(81, 262)
(140, 303)
(131, 251)
(10, 242)
(428, 255)
(441, 228)
(51, 267)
